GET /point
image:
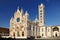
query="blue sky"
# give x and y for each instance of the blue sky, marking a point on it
(8, 7)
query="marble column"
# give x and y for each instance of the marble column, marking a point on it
(32, 30)
(35, 30)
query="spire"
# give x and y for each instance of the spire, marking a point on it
(36, 19)
(41, 17)
(26, 13)
(21, 10)
(11, 19)
(42, 5)
(18, 8)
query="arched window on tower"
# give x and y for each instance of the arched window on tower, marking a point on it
(40, 10)
(41, 21)
(41, 16)
(40, 7)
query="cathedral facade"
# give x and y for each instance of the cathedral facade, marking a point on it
(22, 27)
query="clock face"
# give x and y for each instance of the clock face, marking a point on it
(18, 19)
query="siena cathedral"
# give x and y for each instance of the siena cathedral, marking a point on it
(22, 27)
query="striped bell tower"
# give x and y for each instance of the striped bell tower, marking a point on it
(41, 15)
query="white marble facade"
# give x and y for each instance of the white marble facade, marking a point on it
(22, 27)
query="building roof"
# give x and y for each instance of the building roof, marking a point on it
(5, 30)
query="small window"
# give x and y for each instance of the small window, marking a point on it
(41, 21)
(40, 10)
(40, 7)
(40, 16)
(40, 13)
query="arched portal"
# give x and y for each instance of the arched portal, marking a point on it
(55, 31)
